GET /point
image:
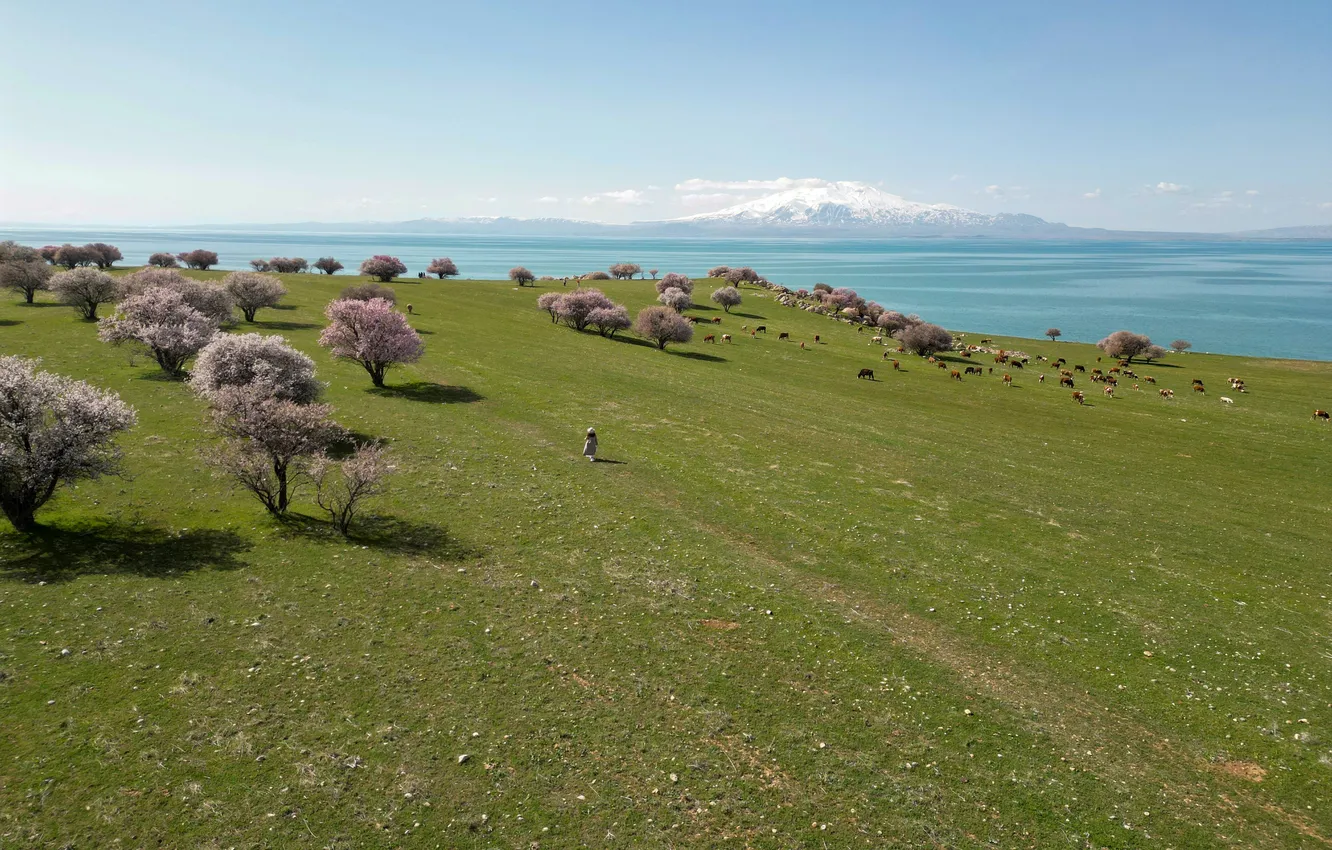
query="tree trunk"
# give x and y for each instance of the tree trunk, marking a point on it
(21, 516)
(249, 314)
(28, 293)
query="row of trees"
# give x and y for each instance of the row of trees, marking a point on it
(584, 308)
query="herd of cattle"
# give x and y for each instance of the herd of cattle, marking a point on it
(1110, 378)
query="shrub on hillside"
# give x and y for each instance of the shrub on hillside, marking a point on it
(56, 430)
(261, 265)
(521, 276)
(288, 265)
(924, 338)
(718, 271)
(383, 267)
(674, 280)
(1181, 345)
(328, 265)
(662, 325)
(49, 252)
(625, 271)
(198, 259)
(252, 292)
(1153, 352)
(891, 321)
(677, 299)
(735, 277)
(164, 323)
(727, 297)
(372, 334)
(208, 298)
(595, 276)
(270, 441)
(607, 321)
(1125, 344)
(85, 290)
(549, 301)
(25, 272)
(341, 487)
(265, 363)
(74, 256)
(163, 260)
(366, 291)
(1054, 334)
(653, 272)
(442, 267)
(105, 255)
(575, 308)
(822, 287)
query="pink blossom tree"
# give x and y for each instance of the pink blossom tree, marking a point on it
(549, 301)
(745, 274)
(1125, 344)
(265, 363)
(162, 321)
(252, 292)
(366, 291)
(74, 256)
(383, 267)
(288, 265)
(198, 259)
(575, 308)
(521, 276)
(53, 430)
(49, 253)
(924, 338)
(328, 265)
(341, 487)
(372, 334)
(674, 280)
(106, 255)
(442, 267)
(625, 271)
(208, 298)
(27, 274)
(85, 290)
(727, 297)
(162, 259)
(607, 321)
(270, 442)
(662, 325)
(653, 272)
(718, 271)
(677, 299)
(261, 265)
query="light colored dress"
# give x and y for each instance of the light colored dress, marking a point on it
(590, 447)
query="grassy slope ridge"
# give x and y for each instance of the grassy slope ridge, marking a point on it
(1129, 598)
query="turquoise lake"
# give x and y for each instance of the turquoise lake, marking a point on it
(1270, 299)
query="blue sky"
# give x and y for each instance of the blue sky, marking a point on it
(1178, 115)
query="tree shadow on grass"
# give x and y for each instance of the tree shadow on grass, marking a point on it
(745, 315)
(429, 393)
(58, 554)
(387, 534)
(698, 355)
(9, 323)
(286, 326)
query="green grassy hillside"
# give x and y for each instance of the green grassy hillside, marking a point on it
(799, 609)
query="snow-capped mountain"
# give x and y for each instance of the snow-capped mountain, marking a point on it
(859, 206)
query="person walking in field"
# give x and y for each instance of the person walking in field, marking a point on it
(590, 446)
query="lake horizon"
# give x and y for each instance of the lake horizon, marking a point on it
(1247, 298)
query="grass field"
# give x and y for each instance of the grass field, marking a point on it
(800, 609)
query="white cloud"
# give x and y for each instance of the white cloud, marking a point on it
(957, 177)
(630, 197)
(1164, 188)
(1092, 195)
(487, 200)
(653, 188)
(1017, 193)
(1325, 205)
(994, 189)
(699, 199)
(1251, 192)
(697, 184)
(548, 199)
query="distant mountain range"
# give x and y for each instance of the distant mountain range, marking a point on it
(840, 210)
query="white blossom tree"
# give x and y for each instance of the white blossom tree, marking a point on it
(266, 363)
(161, 321)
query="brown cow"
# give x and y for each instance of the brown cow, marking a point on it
(816, 338)
(1079, 397)
(726, 337)
(1016, 364)
(1042, 378)
(762, 328)
(956, 375)
(941, 365)
(1079, 368)
(802, 346)
(1321, 414)
(710, 338)
(866, 373)
(1008, 380)
(409, 309)
(1167, 393)
(1199, 388)
(783, 335)
(897, 367)
(1066, 381)
(1149, 379)
(974, 370)
(1110, 391)
(716, 320)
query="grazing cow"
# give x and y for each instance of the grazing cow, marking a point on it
(693, 320)
(710, 338)
(1042, 378)
(762, 328)
(1067, 373)
(1066, 381)
(802, 346)
(866, 373)
(1135, 388)
(1115, 370)
(1000, 358)
(876, 340)
(930, 359)
(1227, 400)
(1321, 414)
(966, 353)
(716, 320)
(1097, 372)
(1199, 388)
(901, 350)
(1109, 392)
(941, 365)
(986, 341)
(885, 354)
(1008, 380)
(1079, 368)
(897, 367)
(991, 368)
(1016, 364)
(1060, 362)
(1167, 393)
(753, 334)
(783, 335)
(1079, 397)
(726, 337)
(955, 375)
(409, 309)
(744, 327)
(860, 330)
(974, 370)
(1149, 379)
(816, 339)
